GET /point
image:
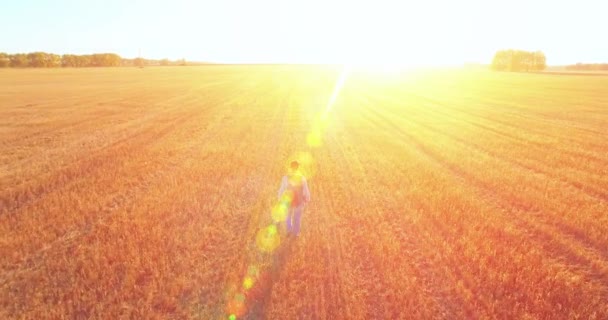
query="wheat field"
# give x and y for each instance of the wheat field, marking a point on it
(439, 194)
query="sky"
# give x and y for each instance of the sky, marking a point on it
(416, 32)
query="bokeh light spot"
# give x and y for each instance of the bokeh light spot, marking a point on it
(232, 317)
(239, 297)
(253, 271)
(272, 229)
(279, 212)
(286, 197)
(248, 283)
(314, 139)
(236, 306)
(268, 239)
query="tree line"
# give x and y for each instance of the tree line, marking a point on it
(588, 67)
(50, 60)
(519, 60)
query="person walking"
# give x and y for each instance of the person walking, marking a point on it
(294, 194)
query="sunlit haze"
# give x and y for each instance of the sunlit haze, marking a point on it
(398, 32)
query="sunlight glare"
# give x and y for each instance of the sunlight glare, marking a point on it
(337, 89)
(268, 239)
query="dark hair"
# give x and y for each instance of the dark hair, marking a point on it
(294, 165)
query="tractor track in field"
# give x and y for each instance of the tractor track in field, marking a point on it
(373, 217)
(595, 192)
(520, 203)
(337, 237)
(455, 170)
(577, 186)
(115, 202)
(98, 164)
(452, 274)
(162, 170)
(170, 167)
(534, 225)
(365, 262)
(150, 119)
(132, 118)
(513, 124)
(409, 238)
(67, 125)
(437, 107)
(450, 304)
(98, 161)
(573, 184)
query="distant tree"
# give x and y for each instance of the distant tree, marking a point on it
(85, 60)
(139, 62)
(36, 59)
(5, 60)
(49, 60)
(69, 60)
(43, 60)
(126, 62)
(182, 62)
(96, 60)
(104, 60)
(19, 60)
(112, 60)
(519, 60)
(54, 60)
(540, 61)
(164, 62)
(588, 67)
(501, 61)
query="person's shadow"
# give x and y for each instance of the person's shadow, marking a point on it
(269, 278)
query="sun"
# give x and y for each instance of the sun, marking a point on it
(380, 36)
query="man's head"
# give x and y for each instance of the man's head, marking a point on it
(294, 165)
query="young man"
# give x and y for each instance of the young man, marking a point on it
(294, 194)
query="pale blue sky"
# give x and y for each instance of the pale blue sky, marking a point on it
(410, 32)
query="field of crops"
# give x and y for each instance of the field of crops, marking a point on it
(152, 193)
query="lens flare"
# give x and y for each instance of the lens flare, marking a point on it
(268, 239)
(286, 198)
(314, 138)
(253, 271)
(236, 306)
(248, 283)
(337, 89)
(279, 212)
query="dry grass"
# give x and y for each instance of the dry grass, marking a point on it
(138, 193)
